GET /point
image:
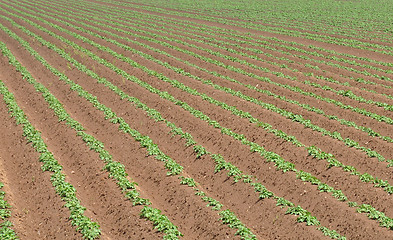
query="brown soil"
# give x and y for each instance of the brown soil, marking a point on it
(105, 203)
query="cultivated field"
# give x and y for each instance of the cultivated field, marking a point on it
(131, 119)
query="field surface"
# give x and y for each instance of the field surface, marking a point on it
(155, 119)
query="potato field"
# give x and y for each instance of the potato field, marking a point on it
(180, 119)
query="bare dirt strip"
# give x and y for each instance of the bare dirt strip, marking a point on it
(105, 203)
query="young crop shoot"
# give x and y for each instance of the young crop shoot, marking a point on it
(6, 231)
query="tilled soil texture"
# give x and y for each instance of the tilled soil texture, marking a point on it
(272, 138)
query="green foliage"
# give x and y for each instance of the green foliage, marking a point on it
(6, 231)
(216, 205)
(229, 218)
(199, 150)
(372, 213)
(161, 222)
(304, 216)
(307, 177)
(283, 202)
(331, 233)
(263, 192)
(187, 181)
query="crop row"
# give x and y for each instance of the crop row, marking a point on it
(340, 92)
(200, 152)
(373, 47)
(239, 44)
(349, 142)
(312, 150)
(117, 170)
(205, 97)
(326, 22)
(335, 135)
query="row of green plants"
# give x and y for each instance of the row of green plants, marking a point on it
(234, 110)
(67, 192)
(331, 160)
(165, 94)
(340, 92)
(240, 44)
(373, 47)
(350, 56)
(330, 58)
(350, 142)
(266, 43)
(233, 171)
(220, 45)
(231, 32)
(115, 169)
(161, 221)
(343, 92)
(6, 231)
(362, 24)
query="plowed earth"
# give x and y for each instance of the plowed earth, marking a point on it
(37, 211)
